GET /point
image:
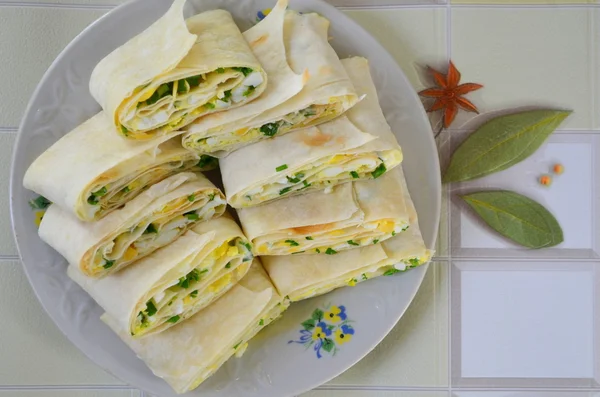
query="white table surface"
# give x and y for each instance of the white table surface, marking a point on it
(490, 320)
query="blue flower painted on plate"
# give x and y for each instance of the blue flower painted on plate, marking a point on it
(262, 14)
(325, 330)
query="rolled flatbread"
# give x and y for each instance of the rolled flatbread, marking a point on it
(186, 355)
(306, 276)
(152, 220)
(357, 145)
(90, 171)
(353, 215)
(175, 282)
(328, 92)
(175, 72)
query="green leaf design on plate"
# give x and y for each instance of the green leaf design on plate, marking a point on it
(317, 315)
(502, 142)
(517, 217)
(328, 344)
(308, 324)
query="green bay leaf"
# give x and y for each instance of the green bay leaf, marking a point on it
(502, 142)
(517, 217)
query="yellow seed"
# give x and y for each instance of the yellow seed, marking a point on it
(546, 180)
(558, 169)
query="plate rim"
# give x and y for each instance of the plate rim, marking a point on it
(397, 72)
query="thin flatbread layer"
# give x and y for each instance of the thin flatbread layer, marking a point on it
(152, 220)
(175, 72)
(353, 215)
(175, 282)
(306, 276)
(186, 355)
(357, 145)
(90, 171)
(327, 94)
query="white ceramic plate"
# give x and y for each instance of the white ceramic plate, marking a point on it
(271, 366)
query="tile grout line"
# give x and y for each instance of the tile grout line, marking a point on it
(528, 5)
(449, 223)
(75, 6)
(66, 387)
(8, 258)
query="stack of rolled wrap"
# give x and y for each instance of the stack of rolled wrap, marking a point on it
(307, 160)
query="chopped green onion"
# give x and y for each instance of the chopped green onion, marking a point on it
(108, 264)
(184, 283)
(309, 238)
(352, 243)
(391, 272)
(194, 80)
(220, 70)
(364, 276)
(191, 197)
(226, 96)
(393, 233)
(299, 252)
(331, 251)
(192, 215)
(206, 161)
(163, 90)
(182, 88)
(284, 191)
(211, 197)
(261, 322)
(375, 241)
(379, 171)
(236, 346)
(210, 105)
(414, 262)
(318, 251)
(40, 203)
(124, 130)
(249, 91)
(228, 265)
(247, 197)
(126, 189)
(270, 129)
(354, 174)
(173, 319)
(194, 294)
(306, 185)
(245, 71)
(150, 229)
(150, 308)
(248, 246)
(93, 199)
(297, 178)
(292, 243)
(281, 168)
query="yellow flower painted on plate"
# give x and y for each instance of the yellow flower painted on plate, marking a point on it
(319, 332)
(335, 314)
(343, 334)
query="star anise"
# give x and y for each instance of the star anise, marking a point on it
(448, 95)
